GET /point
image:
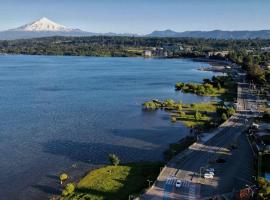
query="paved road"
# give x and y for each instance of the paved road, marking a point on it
(235, 173)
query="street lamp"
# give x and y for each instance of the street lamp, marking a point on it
(149, 183)
(250, 187)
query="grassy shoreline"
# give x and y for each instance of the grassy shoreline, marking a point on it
(115, 182)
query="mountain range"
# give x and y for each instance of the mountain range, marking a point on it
(216, 34)
(46, 28)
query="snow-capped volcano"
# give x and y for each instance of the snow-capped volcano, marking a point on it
(45, 28)
(44, 24)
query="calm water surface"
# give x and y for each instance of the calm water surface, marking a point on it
(59, 113)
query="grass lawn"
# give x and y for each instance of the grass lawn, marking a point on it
(207, 109)
(115, 182)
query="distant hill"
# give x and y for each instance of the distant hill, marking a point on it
(216, 34)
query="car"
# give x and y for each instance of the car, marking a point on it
(178, 183)
(210, 170)
(208, 176)
(220, 160)
(211, 173)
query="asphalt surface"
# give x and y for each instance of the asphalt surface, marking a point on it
(234, 174)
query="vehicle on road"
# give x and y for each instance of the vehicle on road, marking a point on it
(210, 170)
(178, 183)
(255, 126)
(220, 160)
(208, 176)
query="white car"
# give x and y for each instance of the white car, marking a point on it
(208, 176)
(210, 170)
(178, 183)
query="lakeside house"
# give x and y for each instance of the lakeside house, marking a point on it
(217, 53)
(156, 52)
(147, 53)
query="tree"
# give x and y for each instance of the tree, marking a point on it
(114, 160)
(150, 105)
(198, 115)
(169, 102)
(70, 187)
(63, 177)
(224, 117)
(230, 111)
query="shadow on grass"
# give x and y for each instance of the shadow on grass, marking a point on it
(134, 183)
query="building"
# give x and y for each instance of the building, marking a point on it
(217, 53)
(147, 53)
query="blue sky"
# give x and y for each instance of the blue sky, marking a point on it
(140, 16)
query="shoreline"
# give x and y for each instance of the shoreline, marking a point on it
(75, 171)
(204, 137)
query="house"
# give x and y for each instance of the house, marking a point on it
(217, 53)
(147, 53)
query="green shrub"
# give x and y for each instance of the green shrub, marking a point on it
(63, 177)
(150, 105)
(224, 117)
(114, 160)
(178, 106)
(198, 115)
(230, 111)
(179, 86)
(169, 102)
(182, 114)
(70, 187)
(264, 188)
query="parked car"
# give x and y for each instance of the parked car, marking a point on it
(178, 183)
(220, 160)
(210, 171)
(208, 176)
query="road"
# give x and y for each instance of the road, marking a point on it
(232, 175)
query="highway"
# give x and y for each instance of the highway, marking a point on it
(233, 174)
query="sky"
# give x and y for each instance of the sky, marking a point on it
(140, 16)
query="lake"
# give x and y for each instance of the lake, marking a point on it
(62, 113)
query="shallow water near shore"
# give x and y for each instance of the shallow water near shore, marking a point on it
(58, 112)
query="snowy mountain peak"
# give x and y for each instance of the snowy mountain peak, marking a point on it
(44, 24)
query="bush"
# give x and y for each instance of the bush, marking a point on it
(150, 105)
(63, 177)
(264, 188)
(179, 86)
(182, 114)
(178, 106)
(70, 187)
(114, 160)
(173, 119)
(224, 117)
(230, 111)
(198, 115)
(169, 102)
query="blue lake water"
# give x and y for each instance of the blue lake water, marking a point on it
(62, 112)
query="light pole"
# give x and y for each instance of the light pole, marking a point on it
(149, 183)
(259, 163)
(201, 171)
(250, 187)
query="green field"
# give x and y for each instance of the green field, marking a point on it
(115, 182)
(206, 109)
